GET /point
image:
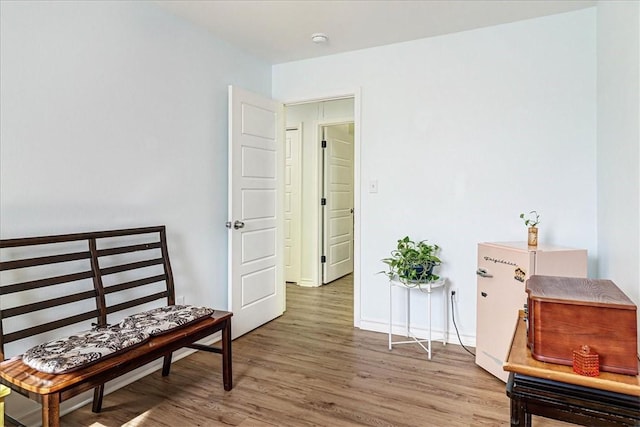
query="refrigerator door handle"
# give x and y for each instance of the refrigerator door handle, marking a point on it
(483, 273)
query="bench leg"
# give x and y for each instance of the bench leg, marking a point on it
(98, 392)
(227, 375)
(51, 410)
(166, 365)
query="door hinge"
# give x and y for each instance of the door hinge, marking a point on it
(323, 202)
(323, 259)
(324, 144)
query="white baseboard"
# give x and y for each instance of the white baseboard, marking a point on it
(308, 284)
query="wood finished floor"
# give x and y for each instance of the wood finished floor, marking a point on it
(310, 367)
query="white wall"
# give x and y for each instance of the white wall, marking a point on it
(463, 132)
(619, 145)
(114, 114)
(310, 115)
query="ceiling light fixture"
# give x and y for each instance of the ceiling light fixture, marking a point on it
(319, 38)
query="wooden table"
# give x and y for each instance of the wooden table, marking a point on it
(555, 391)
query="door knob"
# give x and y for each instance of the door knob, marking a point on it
(236, 224)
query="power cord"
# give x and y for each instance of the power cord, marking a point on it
(453, 316)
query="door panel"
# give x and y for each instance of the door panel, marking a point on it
(258, 163)
(258, 245)
(258, 121)
(258, 286)
(338, 211)
(256, 159)
(259, 203)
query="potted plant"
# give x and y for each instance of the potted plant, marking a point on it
(531, 222)
(413, 261)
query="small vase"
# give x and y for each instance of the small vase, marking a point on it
(532, 239)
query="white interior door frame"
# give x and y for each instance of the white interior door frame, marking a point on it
(295, 202)
(357, 182)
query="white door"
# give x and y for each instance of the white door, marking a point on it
(338, 195)
(256, 162)
(292, 206)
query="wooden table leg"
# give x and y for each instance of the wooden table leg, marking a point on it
(51, 410)
(519, 415)
(227, 373)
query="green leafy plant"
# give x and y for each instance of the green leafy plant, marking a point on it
(413, 261)
(531, 221)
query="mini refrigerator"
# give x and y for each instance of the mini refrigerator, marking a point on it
(502, 271)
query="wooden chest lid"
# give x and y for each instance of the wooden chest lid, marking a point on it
(579, 291)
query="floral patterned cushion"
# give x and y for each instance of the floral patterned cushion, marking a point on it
(82, 349)
(164, 319)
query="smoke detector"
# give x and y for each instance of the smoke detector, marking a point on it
(319, 38)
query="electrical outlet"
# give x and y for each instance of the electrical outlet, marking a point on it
(180, 300)
(455, 295)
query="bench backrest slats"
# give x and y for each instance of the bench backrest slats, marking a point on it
(34, 284)
(135, 302)
(35, 330)
(134, 283)
(30, 262)
(56, 281)
(130, 266)
(125, 249)
(28, 308)
(43, 240)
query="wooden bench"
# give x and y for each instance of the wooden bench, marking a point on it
(57, 285)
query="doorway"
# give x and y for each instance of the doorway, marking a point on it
(312, 119)
(272, 119)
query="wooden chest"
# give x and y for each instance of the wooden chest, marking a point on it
(565, 313)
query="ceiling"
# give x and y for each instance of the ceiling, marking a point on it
(280, 31)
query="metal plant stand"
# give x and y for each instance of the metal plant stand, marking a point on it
(428, 288)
